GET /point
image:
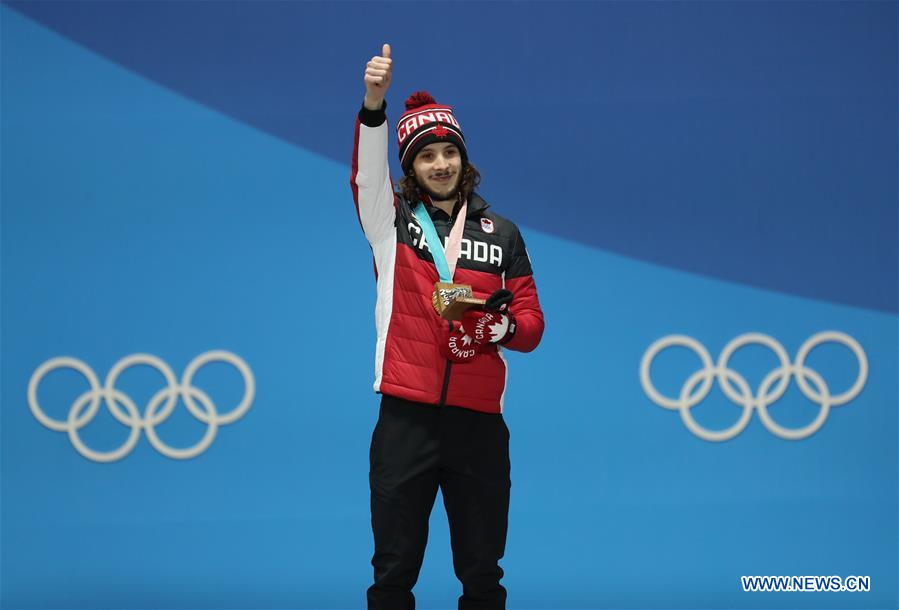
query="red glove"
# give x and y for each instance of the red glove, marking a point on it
(459, 347)
(493, 324)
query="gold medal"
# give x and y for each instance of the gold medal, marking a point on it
(452, 300)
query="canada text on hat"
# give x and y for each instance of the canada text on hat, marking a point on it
(423, 117)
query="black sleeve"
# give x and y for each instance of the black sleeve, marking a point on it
(373, 118)
(520, 263)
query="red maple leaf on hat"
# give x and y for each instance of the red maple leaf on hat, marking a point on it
(440, 131)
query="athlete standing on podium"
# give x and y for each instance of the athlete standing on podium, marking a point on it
(442, 383)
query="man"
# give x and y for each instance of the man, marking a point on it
(442, 383)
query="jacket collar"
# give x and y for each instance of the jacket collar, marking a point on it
(476, 206)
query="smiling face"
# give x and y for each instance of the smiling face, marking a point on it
(438, 170)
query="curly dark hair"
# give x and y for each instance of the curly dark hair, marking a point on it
(471, 178)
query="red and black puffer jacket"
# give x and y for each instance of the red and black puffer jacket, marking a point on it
(408, 360)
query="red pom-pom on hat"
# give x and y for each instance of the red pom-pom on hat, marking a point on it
(419, 98)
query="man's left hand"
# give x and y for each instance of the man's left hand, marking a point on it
(493, 324)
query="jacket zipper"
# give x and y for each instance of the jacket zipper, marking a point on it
(446, 375)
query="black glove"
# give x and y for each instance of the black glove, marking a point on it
(499, 301)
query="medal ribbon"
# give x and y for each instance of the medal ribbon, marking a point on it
(445, 261)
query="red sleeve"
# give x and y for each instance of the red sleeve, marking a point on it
(525, 306)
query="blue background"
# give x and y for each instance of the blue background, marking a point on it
(175, 180)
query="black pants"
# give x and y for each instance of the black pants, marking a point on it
(415, 448)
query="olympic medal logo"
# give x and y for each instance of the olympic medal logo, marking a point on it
(84, 408)
(737, 389)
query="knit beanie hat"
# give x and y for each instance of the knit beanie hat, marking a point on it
(426, 122)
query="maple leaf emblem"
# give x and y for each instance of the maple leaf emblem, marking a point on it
(440, 131)
(498, 330)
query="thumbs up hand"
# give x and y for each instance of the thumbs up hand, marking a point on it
(377, 78)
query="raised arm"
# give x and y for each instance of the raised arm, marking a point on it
(370, 178)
